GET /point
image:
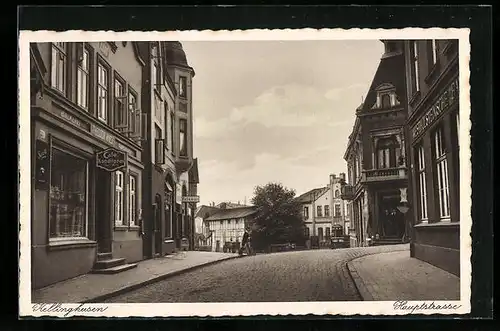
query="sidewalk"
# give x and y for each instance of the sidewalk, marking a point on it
(397, 276)
(97, 287)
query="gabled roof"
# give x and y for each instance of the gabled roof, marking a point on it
(231, 213)
(203, 210)
(312, 195)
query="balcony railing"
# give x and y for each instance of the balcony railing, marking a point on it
(376, 175)
(347, 192)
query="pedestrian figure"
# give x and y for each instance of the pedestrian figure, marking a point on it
(245, 243)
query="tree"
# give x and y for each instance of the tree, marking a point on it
(279, 216)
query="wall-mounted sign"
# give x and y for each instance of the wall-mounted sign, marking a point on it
(100, 133)
(42, 164)
(446, 99)
(111, 159)
(191, 199)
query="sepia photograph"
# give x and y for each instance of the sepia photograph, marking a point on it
(225, 174)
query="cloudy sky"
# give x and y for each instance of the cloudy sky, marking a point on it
(277, 111)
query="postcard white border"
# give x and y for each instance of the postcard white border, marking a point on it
(246, 309)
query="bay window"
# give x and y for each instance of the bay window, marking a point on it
(82, 79)
(68, 195)
(102, 92)
(422, 188)
(58, 69)
(441, 166)
(182, 87)
(119, 188)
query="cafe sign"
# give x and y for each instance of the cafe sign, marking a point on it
(111, 159)
(448, 98)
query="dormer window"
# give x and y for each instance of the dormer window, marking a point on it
(386, 97)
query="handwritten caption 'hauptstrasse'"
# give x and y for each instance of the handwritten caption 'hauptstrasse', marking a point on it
(416, 307)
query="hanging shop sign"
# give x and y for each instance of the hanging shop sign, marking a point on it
(191, 199)
(111, 159)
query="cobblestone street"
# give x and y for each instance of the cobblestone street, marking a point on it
(314, 275)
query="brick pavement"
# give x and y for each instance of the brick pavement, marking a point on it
(394, 276)
(97, 287)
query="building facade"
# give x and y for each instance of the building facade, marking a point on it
(375, 155)
(324, 211)
(171, 171)
(227, 226)
(87, 169)
(433, 151)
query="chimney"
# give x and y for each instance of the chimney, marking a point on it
(332, 178)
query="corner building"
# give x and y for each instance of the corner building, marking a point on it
(432, 72)
(85, 99)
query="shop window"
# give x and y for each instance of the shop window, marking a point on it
(183, 137)
(102, 92)
(422, 186)
(306, 212)
(388, 152)
(68, 195)
(337, 210)
(120, 110)
(82, 79)
(441, 166)
(319, 211)
(327, 211)
(58, 69)
(132, 200)
(182, 87)
(119, 188)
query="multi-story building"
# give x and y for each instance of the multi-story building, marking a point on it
(324, 211)
(86, 146)
(375, 155)
(171, 172)
(227, 225)
(432, 73)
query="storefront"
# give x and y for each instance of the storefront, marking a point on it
(82, 204)
(433, 132)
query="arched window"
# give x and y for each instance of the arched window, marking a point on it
(388, 152)
(337, 193)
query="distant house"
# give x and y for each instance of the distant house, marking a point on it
(324, 212)
(202, 213)
(227, 225)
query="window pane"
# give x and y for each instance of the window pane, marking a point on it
(68, 196)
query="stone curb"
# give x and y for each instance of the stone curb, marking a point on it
(362, 289)
(358, 281)
(136, 286)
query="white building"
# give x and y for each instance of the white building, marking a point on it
(324, 211)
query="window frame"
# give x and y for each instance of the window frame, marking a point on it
(319, 211)
(423, 213)
(415, 66)
(101, 63)
(59, 50)
(80, 71)
(56, 144)
(440, 163)
(183, 91)
(133, 220)
(184, 152)
(434, 51)
(135, 129)
(339, 210)
(306, 212)
(119, 190)
(327, 210)
(121, 127)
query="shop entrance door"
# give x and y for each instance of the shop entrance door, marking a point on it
(103, 212)
(390, 218)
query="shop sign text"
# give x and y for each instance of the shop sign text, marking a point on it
(100, 133)
(111, 159)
